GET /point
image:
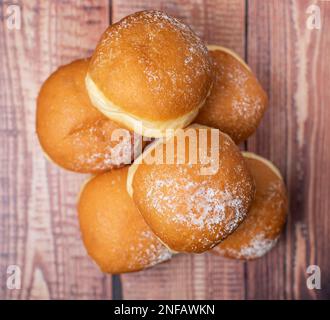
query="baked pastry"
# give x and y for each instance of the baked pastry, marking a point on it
(72, 132)
(237, 101)
(113, 231)
(192, 204)
(260, 230)
(150, 72)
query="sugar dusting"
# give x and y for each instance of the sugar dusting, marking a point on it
(262, 227)
(205, 207)
(103, 152)
(258, 246)
(245, 105)
(179, 79)
(197, 52)
(202, 209)
(148, 251)
(237, 102)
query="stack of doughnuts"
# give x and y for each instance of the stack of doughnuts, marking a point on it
(156, 116)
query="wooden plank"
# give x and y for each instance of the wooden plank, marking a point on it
(192, 276)
(216, 22)
(290, 60)
(38, 224)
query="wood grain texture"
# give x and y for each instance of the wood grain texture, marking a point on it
(38, 226)
(214, 21)
(290, 60)
(198, 276)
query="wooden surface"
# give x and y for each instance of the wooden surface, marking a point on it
(38, 226)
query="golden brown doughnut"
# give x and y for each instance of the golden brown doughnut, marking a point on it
(260, 230)
(72, 132)
(150, 72)
(237, 101)
(189, 210)
(113, 231)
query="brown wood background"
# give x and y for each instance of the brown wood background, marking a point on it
(38, 225)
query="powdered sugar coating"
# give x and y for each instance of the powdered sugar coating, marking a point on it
(191, 212)
(206, 206)
(164, 65)
(245, 105)
(105, 152)
(256, 248)
(237, 101)
(260, 230)
(113, 230)
(72, 132)
(148, 251)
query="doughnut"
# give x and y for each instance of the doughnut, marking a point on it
(73, 133)
(189, 208)
(237, 101)
(113, 231)
(260, 230)
(150, 72)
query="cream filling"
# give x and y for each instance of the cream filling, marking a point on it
(270, 165)
(213, 47)
(146, 128)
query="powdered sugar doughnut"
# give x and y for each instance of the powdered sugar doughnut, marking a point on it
(188, 209)
(72, 132)
(260, 230)
(114, 233)
(150, 72)
(237, 101)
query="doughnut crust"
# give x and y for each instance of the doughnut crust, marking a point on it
(72, 132)
(260, 230)
(190, 211)
(237, 101)
(113, 231)
(150, 72)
